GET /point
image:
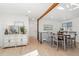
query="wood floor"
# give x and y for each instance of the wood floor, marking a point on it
(43, 50)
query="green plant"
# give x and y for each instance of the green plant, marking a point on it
(22, 28)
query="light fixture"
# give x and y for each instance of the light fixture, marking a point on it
(28, 11)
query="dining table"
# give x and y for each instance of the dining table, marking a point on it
(66, 37)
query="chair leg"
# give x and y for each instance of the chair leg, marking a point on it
(64, 46)
(74, 43)
(71, 43)
(57, 45)
(67, 43)
(51, 42)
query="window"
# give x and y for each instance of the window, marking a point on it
(67, 25)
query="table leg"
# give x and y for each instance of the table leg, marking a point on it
(64, 43)
(75, 43)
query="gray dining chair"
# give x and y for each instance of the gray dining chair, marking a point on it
(67, 40)
(73, 39)
(57, 42)
(51, 38)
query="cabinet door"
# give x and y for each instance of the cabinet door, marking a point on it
(12, 41)
(12, 44)
(24, 40)
(6, 41)
(6, 44)
(18, 40)
(1, 42)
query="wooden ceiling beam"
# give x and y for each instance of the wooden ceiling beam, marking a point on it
(48, 10)
(45, 13)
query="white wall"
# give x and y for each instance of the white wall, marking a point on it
(33, 28)
(56, 26)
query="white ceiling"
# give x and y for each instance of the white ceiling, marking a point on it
(31, 9)
(35, 10)
(68, 11)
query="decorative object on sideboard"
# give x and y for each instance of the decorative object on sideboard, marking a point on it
(6, 31)
(14, 29)
(22, 29)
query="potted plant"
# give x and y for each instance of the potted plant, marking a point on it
(22, 28)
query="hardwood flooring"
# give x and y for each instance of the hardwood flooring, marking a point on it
(43, 50)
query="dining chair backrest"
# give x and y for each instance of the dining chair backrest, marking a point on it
(60, 37)
(73, 34)
(51, 34)
(55, 36)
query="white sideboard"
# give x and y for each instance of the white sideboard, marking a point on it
(13, 40)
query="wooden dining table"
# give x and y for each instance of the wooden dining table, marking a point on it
(66, 37)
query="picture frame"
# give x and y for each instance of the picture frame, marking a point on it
(48, 27)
